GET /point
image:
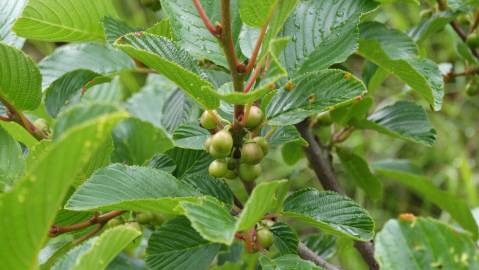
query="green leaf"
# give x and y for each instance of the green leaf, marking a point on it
(455, 206)
(404, 120)
(396, 53)
(178, 109)
(173, 62)
(208, 185)
(61, 91)
(255, 13)
(161, 28)
(12, 161)
(19, 133)
(266, 197)
(330, 212)
(162, 162)
(287, 262)
(358, 169)
(324, 245)
(323, 32)
(11, 9)
(79, 114)
(211, 219)
(177, 246)
(115, 28)
(190, 31)
(66, 20)
(130, 138)
(110, 92)
(292, 153)
(130, 188)
(30, 207)
(20, 80)
(191, 136)
(98, 252)
(431, 25)
(285, 239)
(99, 58)
(424, 244)
(314, 93)
(462, 5)
(286, 134)
(189, 161)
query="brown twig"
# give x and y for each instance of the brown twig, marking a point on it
(320, 159)
(5, 118)
(252, 80)
(201, 11)
(257, 48)
(56, 230)
(307, 254)
(468, 72)
(89, 234)
(19, 118)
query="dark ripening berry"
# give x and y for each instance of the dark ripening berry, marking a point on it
(264, 237)
(231, 163)
(261, 141)
(218, 168)
(221, 144)
(251, 153)
(207, 120)
(230, 175)
(255, 117)
(249, 173)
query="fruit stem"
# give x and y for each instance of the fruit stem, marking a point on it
(457, 27)
(19, 118)
(257, 48)
(56, 230)
(216, 118)
(205, 19)
(475, 24)
(252, 79)
(247, 110)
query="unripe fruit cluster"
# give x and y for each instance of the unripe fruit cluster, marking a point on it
(221, 147)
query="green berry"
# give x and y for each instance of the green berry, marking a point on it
(264, 237)
(144, 218)
(473, 40)
(221, 144)
(208, 144)
(255, 117)
(218, 168)
(472, 89)
(261, 141)
(207, 120)
(252, 153)
(114, 222)
(249, 173)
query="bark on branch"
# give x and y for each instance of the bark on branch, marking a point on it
(320, 159)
